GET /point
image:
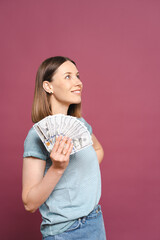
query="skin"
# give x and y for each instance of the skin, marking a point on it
(36, 187)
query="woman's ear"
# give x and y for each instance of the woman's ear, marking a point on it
(47, 87)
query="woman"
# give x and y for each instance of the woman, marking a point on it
(66, 188)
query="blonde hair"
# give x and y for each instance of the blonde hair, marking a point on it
(41, 106)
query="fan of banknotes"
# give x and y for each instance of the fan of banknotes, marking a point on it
(49, 128)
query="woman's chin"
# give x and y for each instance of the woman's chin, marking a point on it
(76, 102)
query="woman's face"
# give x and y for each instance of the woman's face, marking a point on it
(66, 85)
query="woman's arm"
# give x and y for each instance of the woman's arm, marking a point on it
(36, 187)
(98, 148)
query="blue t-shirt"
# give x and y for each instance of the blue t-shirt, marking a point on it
(78, 190)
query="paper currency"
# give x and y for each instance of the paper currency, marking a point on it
(49, 128)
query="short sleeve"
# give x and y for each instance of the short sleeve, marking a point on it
(34, 147)
(86, 124)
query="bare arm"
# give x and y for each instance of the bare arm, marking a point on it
(36, 187)
(98, 148)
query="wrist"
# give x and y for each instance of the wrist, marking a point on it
(57, 171)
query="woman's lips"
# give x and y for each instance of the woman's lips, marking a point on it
(77, 92)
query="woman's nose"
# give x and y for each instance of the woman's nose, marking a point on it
(77, 80)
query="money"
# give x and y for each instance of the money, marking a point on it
(50, 127)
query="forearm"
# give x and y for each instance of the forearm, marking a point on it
(40, 192)
(100, 154)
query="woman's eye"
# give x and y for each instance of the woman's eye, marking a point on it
(68, 77)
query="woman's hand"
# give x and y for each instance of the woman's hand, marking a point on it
(60, 154)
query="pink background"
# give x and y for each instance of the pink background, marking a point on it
(116, 45)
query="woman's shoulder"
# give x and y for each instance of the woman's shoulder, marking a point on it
(31, 134)
(33, 146)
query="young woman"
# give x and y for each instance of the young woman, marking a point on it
(66, 188)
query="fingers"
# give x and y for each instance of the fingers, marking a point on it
(59, 159)
(65, 142)
(61, 147)
(69, 150)
(56, 145)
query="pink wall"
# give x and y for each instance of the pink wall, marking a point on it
(116, 47)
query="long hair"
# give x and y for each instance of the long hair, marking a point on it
(41, 106)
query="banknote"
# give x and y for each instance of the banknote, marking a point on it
(46, 141)
(52, 126)
(43, 125)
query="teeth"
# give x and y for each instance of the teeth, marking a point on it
(76, 91)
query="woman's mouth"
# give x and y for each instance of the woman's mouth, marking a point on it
(77, 92)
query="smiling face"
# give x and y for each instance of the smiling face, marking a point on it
(66, 84)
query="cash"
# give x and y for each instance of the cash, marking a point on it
(52, 126)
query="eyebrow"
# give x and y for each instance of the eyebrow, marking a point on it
(69, 73)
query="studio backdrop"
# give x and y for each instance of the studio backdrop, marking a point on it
(115, 44)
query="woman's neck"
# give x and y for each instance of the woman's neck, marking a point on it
(58, 107)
